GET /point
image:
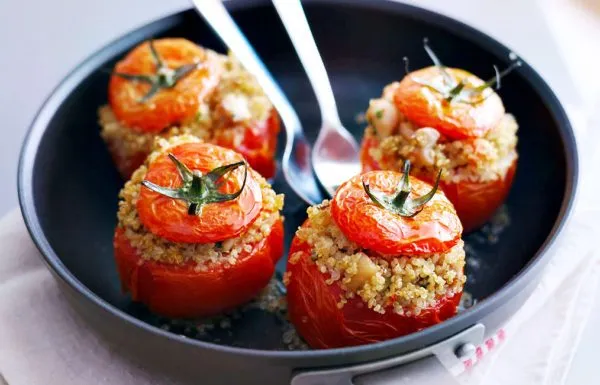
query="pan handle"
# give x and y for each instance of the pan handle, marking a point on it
(435, 364)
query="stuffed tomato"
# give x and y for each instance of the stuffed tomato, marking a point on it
(440, 117)
(199, 232)
(383, 259)
(172, 86)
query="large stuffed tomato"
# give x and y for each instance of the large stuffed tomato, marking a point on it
(475, 202)
(224, 206)
(162, 84)
(382, 231)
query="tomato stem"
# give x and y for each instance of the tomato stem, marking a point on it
(400, 203)
(461, 92)
(197, 189)
(163, 77)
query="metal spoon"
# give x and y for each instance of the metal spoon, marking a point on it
(335, 155)
(296, 164)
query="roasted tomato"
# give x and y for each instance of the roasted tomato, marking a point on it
(181, 291)
(328, 308)
(429, 108)
(447, 117)
(475, 202)
(314, 311)
(258, 143)
(160, 83)
(192, 194)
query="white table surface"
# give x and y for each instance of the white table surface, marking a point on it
(40, 41)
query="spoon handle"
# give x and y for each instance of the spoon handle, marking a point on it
(294, 20)
(215, 14)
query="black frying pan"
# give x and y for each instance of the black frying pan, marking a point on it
(68, 189)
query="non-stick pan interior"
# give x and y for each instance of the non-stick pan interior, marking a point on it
(75, 185)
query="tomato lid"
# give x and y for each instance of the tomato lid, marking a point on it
(160, 83)
(394, 214)
(199, 193)
(455, 102)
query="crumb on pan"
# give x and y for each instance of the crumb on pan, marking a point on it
(408, 284)
(152, 247)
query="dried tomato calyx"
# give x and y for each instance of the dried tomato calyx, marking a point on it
(461, 92)
(197, 189)
(400, 203)
(164, 77)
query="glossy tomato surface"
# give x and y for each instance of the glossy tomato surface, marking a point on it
(181, 291)
(456, 120)
(168, 218)
(256, 141)
(313, 309)
(474, 202)
(435, 229)
(168, 106)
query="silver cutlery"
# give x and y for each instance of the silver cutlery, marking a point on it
(335, 154)
(296, 162)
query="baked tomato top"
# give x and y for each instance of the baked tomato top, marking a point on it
(433, 229)
(182, 73)
(221, 218)
(419, 98)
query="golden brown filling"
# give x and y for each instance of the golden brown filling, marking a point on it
(407, 283)
(475, 159)
(152, 247)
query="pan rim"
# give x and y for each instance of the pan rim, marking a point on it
(467, 318)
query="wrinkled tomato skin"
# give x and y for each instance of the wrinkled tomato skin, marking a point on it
(181, 292)
(435, 229)
(258, 144)
(312, 308)
(427, 108)
(475, 202)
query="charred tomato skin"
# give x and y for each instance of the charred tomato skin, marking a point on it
(168, 218)
(182, 291)
(313, 309)
(475, 202)
(435, 229)
(455, 120)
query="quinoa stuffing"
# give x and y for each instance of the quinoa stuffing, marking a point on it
(152, 247)
(408, 284)
(481, 159)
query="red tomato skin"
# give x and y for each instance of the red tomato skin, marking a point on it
(475, 202)
(312, 308)
(181, 292)
(434, 230)
(258, 145)
(169, 106)
(453, 120)
(168, 218)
